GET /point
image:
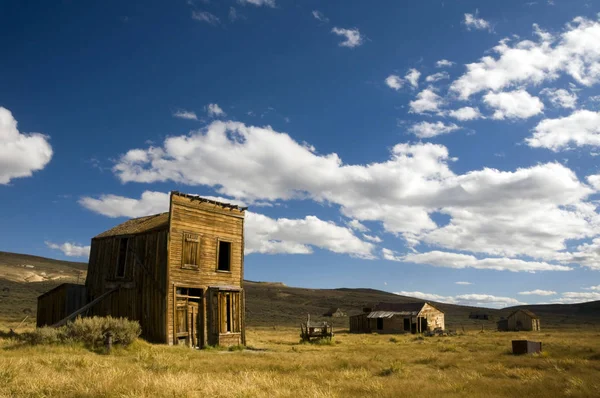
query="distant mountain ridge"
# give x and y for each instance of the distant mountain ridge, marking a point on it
(268, 303)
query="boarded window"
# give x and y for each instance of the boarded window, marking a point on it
(229, 312)
(122, 259)
(190, 257)
(224, 256)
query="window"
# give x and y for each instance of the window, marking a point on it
(224, 256)
(406, 324)
(379, 323)
(122, 259)
(190, 256)
(229, 306)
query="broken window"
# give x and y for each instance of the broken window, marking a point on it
(224, 256)
(230, 308)
(190, 256)
(379, 323)
(122, 259)
(406, 324)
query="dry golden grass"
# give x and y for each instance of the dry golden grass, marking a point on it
(473, 364)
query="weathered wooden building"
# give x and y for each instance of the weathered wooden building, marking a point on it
(398, 318)
(179, 273)
(334, 312)
(523, 320)
(60, 302)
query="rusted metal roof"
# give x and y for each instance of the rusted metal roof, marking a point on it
(390, 314)
(138, 225)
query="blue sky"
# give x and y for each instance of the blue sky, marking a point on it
(402, 146)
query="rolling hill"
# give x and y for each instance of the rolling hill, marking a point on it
(24, 277)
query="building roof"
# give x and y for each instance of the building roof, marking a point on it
(526, 312)
(157, 221)
(390, 314)
(138, 225)
(388, 310)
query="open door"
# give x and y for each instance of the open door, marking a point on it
(189, 319)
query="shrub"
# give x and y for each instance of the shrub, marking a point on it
(91, 332)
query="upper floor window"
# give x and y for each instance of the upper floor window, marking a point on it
(224, 256)
(122, 258)
(190, 256)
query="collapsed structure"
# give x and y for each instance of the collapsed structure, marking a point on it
(179, 273)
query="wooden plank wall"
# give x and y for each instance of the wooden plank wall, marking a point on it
(59, 303)
(211, 222)
(435, 318)
(143, 288)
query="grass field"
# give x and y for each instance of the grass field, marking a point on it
(472, 364)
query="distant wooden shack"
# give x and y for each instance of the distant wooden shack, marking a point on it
(334, 313)
(482, 316)
(523, 320)
(398, 318)
(178, 273)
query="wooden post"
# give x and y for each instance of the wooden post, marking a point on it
(108, 342)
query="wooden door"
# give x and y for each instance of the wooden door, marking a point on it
(193, 325)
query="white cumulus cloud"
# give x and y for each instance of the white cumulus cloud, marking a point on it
(214, 110)
(476, 300)
(466, 113)
(538, 292)
(437, 76)
(182, 114)
(443, 63)
(428, 130)
(412, 77)
(517, 104)
(394, 81)
(20, 154)
(427, 101)
(353, 37)
(581, 128)
(560, 98)
(70, 249)
(473, 22)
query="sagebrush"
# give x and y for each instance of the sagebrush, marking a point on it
(91, 332)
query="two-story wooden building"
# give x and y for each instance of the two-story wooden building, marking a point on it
(180, 274)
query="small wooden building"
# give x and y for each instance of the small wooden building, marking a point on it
(523, 320)
(334, 313)
(179, 273)
(59, 302)
(398, 318)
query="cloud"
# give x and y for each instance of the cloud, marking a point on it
(597, 287)
(461, 261)
(538, 292)
(586, 255)
(594, 181)
(205, 16)
(517, 104)
(426, 101)
(263, 234)
(372, 238)
(428, 130)
(529, 211)
(233, 15)
(353, 37)
(581, 128)
(412, 77)
(560, 98)
(527, 62)
(437, 76)
(394, 81)
(577, 297)
(443, 63)
(214, 110)
(20, 154)
(477, 300)
(70, 249)
(258, 3)
(472, 22)
(463, 283)
(466, 113)
(318, 15)
(181, 114)
(355, 224)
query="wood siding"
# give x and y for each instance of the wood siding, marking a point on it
(59, 303)
(521, 321)
(210, 223)
(435, 318)
(143, 287)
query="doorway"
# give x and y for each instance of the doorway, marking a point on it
(189, 319)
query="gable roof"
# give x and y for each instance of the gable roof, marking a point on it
(526, 312)
(138, 225)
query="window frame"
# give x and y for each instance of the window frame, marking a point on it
(187, 237)
(118, 275)
(229, 310)
(219, 240)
